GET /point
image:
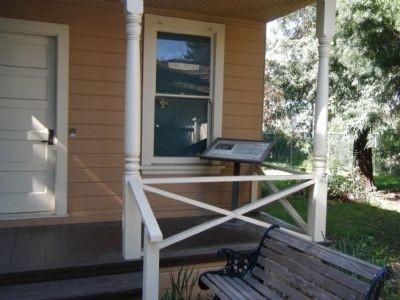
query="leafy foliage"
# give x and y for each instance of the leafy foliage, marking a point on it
(291, 73)
(365, 77)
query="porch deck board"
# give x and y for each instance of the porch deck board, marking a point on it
(63, 246)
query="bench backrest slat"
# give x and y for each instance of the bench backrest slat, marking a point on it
(277, 284)
(341, 260)
(316, 265)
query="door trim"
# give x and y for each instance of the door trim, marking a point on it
(61, 34)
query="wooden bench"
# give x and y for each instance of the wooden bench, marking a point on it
(285, 266)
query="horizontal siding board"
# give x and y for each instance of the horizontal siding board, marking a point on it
(245, 109)
(103, 215)
(97, 102)
(86, 87)
(77, 189)
(94, 175)
(95, 58)
(99, 202)
(71, 12)
(245, 33)
(99, 132)
(242, 96)
(99, 73)
(240, 122)
(88, 28)
(254, 72)
(100, 44)
(244, 59)
(241, 134)
(239, 45)
(96, 146)
(243, 84)
(96, 117)
(77, 161)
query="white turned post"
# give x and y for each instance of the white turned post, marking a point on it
(151, 268)
(131, 217)
(317, 205)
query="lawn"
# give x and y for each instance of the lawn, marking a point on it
(359, 229)
(387, 183)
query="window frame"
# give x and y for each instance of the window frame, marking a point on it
(152, 25)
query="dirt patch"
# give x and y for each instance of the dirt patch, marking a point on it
(385, 200)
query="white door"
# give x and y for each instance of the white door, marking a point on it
(27, 114)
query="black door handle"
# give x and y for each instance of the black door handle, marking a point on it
(50, 140)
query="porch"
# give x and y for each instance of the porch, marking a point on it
(85, 260)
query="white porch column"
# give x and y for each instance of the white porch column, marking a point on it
(317, 205)
(131, 227)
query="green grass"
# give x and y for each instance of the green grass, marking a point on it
(355, 222)
(387, 183)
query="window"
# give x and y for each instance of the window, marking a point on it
(182, 89)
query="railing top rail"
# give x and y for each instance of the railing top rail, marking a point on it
(172, 180)
(148, 218)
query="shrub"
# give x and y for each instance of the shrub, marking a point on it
(347, 185)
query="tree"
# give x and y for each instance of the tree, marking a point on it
(291, 72)
(365, 79)
(365, 68)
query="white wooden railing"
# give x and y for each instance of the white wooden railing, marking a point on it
(153, 240)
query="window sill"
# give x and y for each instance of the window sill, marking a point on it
(176, 169)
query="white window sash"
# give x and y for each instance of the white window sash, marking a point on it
(216, 32)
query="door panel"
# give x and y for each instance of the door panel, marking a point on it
(26, 98)
(20, 50)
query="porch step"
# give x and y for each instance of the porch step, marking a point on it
(53, 274)
(114, 286)
(120, 280)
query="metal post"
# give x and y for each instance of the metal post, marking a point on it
(235, 186)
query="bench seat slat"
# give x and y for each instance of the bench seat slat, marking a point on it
(304, 286)
(310, 275)
(316, 265)
(278, 284)
(249, 290)
(342, 260)
(267, 293)
(215, 288)
(242, 293)
(223, 286)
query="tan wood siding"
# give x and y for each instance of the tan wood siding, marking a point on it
(96, 103)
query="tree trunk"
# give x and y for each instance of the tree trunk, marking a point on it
(363, 158)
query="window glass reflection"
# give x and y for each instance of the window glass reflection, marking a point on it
(181, 126)
(183, 64)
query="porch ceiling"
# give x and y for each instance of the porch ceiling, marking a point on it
(251, 10)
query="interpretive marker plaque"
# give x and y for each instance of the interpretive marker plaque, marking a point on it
(237, 150)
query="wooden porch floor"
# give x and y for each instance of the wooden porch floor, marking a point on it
(30, 249)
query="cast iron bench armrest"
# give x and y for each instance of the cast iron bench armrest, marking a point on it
(285, 266)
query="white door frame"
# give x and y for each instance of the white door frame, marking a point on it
(61, 34)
